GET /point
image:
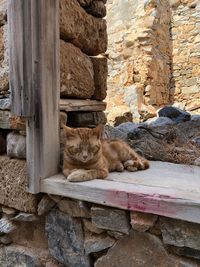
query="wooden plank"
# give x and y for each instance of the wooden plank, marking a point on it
(164, 174)
(81, 105)
(172, 203)
(19, 32)
(43, 75)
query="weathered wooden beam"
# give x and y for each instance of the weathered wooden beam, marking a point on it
(20, 57)
(165, 189)
(35, 85)
(82, 105)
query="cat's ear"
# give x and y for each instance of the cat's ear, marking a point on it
(70, 132)
(98, 131)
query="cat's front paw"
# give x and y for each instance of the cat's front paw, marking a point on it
(77, 176)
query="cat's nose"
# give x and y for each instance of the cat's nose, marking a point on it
(84, 156)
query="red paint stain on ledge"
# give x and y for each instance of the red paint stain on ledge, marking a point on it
(152, 203)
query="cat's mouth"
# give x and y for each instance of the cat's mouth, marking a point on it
(85, 160)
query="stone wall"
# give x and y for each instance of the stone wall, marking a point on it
(185, 29)
(83, 69)
(153, 57)
(66, 232)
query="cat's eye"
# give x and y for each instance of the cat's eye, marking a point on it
(95, 149)
(73, 150)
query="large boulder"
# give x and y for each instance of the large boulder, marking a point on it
(77, 75)
(83, 30)
(175, 114)
(139, 250)
(13, 185)
(66, 240)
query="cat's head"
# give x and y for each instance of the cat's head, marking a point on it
(83, 144)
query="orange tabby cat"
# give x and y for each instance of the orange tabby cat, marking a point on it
(87, 157)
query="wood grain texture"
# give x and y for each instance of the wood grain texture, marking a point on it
(81, 105)
(43, 128)
(146, 191)
(35, 85)
(20, 54)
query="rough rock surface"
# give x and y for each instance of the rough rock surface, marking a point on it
(86, 119)
(139, 55)
(16, 145)
(95, 243)
(100, 77)
(174, 114)
(142, 221)
(13, 186)
(83, 30)
(77, 75)
(180, 233)
(5, 104)
(16, 256)
(139, 250)
(97, 9)
(73, 208)
(65, 239)
(172, 143)
(110, 219)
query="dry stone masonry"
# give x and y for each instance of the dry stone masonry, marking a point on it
(153, 60)
(153, 50)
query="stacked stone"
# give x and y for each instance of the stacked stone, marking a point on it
(83, 69)
(186, 53)
(83, 234)
(139, 53)
(83, 43)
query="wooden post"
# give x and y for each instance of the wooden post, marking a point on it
(34, 81)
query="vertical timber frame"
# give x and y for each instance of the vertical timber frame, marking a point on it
(34, 54)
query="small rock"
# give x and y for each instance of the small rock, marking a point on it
(5, 240)
(95, 243)
(196, 141)
(6, 226)
(55, 198)
(161, 121)
(16, 145)
(97, 9)
(110, 219)
(73, 208)
(195, 118)
(127, 127)
(5, 104)
(180, 233)
(91, 227)
(116, 235)
(193, 4)
(174, 3)
(118, 115)
(176, 114)
(45, 204)
(197, 162)
(186, 252)
(113, 133)
(25, 217)
(15, 255)
(8, 210)
(142, 221)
